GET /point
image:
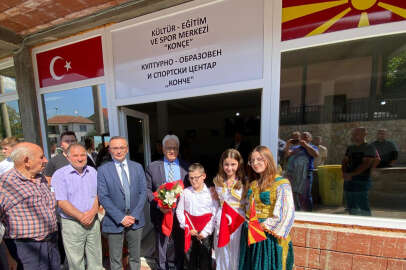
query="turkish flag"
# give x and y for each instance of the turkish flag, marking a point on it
(229, 223)
(255, 232)
(194, 223)
(74, 62)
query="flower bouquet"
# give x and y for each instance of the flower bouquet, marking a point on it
(166, 197)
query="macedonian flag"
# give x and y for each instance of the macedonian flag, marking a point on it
(255, 232)
(302, 18)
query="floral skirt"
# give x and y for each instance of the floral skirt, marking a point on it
(270, 254)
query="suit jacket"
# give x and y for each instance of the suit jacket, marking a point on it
(111, 196)
(155, 175)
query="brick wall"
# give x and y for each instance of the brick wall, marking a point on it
(336, 247)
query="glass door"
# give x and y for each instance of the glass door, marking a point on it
(135, 127)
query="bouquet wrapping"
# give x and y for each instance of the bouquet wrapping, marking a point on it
(166, 197)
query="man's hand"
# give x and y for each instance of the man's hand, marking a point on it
(128, 221)
(194, 233)
(87, 218)
(164, 210)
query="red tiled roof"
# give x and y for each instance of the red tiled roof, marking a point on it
(66, 119)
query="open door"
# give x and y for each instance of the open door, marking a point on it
(134, 126)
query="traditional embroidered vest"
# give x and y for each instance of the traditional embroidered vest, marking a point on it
(265, 200)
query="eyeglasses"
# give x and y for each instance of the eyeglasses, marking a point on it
(258, 160)
(122, 148)
(171, 148)
(195, 177)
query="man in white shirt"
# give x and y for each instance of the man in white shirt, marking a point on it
(196, 211)
(322, 158)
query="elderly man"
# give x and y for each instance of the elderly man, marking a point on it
(168, 169)
(356, 166)
(75, 188)
(27, 208)
(122, 193)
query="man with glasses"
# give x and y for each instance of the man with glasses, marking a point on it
(122, 192)
(159, 172)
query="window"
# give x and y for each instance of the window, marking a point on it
(336, 93)
(74, 110)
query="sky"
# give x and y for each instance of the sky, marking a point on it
(77, 101)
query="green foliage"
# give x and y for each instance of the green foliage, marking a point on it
(396, 72)
(15, 123)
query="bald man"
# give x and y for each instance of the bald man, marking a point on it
(27, 206)
(356, 166)
(75, 187)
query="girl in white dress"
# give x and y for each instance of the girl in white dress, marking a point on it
(229, 185)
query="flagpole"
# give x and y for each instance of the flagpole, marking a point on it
(191, 223)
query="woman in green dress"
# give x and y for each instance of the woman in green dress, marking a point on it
(274, 206)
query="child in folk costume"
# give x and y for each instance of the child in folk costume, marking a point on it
(196, 211)
(229, 185)
(270, 196)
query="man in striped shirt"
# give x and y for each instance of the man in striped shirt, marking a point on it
(27, 209)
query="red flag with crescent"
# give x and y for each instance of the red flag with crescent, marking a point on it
(74, 62)
(194, 223)
(255, 232)
(229, 223)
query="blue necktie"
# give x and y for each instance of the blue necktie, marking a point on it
(126, 187)
(171, 172)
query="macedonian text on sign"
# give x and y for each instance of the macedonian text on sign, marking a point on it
(184, 67)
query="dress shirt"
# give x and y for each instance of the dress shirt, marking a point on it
(176, 170)
(78, 189)
(118, 168)
(197, 204)
(27, 209)
(6, 165)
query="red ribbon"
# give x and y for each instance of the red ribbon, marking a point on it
(167, 222)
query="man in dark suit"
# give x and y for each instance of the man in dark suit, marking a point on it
(122, 192)
(170, 168)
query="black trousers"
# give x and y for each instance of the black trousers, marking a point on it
(199, 254)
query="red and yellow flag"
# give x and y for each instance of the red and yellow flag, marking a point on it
(302, 18)
(255, 232)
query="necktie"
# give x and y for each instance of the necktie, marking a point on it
(126, 187)
(171, 172)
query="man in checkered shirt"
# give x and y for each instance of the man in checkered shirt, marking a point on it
(27, 209)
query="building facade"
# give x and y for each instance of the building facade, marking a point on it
(210, 71)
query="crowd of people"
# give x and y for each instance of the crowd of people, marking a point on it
(49, 210)
(78, 207)
(301, 155)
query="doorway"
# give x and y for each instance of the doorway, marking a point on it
(205, 125)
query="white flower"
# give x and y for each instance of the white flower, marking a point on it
(178, 189)
(170, 198)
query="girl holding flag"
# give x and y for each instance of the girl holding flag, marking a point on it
(265, 240)
(229, 185)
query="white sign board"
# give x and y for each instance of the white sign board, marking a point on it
(218, 43)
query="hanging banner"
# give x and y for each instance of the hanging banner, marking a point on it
(74, 62)
(205, 46)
